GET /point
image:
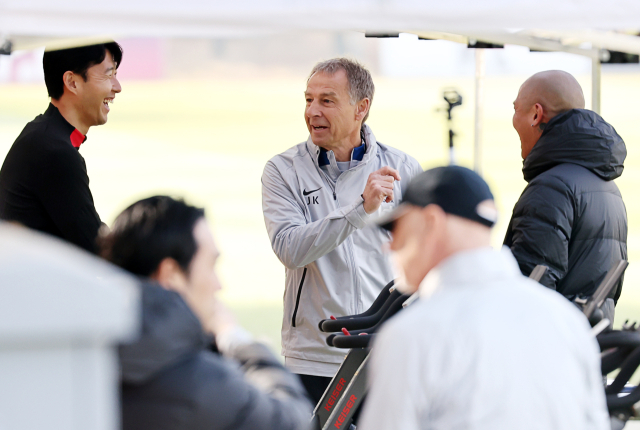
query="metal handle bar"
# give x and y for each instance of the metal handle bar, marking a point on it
(613, 359)
(627, 369)
(375, 306)
(360, 322)
(351, 342)
(605, 287)
(615, 402)
(538, 272)
(393, 309)
(616, 338)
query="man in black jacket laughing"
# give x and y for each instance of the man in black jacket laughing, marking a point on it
(571, 216)
(43, 181)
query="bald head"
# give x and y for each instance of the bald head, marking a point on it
(555, 90)
(542, 97)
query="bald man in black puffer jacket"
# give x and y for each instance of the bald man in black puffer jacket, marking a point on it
(571, 216)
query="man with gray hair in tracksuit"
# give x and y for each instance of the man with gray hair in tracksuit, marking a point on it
(316, 199)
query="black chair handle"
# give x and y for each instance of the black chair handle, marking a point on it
(617, 338)
(627, 369)
(391, 311)
(351, 342)
(613, 359)
(375, 306)
(357, 322)
(615, 402)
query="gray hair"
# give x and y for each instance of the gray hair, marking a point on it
(359, 79)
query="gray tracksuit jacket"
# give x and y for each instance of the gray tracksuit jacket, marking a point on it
(318, 228)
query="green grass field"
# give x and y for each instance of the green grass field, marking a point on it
(209, 140)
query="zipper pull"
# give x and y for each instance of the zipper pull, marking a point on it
(334, 196)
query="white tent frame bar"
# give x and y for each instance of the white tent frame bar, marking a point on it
(478, 117)
(596, 70)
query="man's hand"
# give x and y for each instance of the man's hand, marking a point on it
(221, 321)
(229, 335)
(379, 188)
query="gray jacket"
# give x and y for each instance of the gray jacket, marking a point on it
(170, 380)
(318, 228)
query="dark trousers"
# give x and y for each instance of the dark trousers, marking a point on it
(315, 386)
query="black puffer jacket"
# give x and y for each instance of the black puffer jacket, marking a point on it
(571, 216)
(171, 381)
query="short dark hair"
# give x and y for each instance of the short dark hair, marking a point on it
(77, 60)
(149, 231)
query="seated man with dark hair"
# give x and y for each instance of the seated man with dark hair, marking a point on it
(170, 378)
(43, 182)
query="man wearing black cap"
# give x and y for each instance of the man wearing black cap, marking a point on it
(484, 347)
(43, 181)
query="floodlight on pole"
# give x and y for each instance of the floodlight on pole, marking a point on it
(453, 99)
(6, 46)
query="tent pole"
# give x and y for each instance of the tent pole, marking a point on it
(595, 84)
(479, 83)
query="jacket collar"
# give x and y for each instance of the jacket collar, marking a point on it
(76, 138)
(580, 137)
(473, 267)
(370, 150)
(356, 155)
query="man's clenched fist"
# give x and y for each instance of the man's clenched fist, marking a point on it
(379, 188)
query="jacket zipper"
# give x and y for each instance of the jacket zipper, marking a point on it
(351, 258)
(356, 284)
(349, 244)
(295, 309)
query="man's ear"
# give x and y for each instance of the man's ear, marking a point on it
(70, 81)
(170, 275)
(362, 107)
(434, 216)
(538, 115)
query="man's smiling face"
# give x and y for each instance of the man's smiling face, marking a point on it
(330, 116)
(99, 89)
(523, 116)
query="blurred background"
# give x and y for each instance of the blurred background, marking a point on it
(199, 118)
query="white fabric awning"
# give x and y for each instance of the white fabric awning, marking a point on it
(563, 22)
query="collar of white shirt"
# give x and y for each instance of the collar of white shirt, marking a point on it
(467, 267)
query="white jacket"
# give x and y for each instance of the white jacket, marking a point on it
(316, 222)
(485, 349)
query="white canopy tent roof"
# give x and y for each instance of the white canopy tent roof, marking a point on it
(583, 27)
(200, 18)
(565, 25)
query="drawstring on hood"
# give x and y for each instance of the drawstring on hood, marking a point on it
(580, 137)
